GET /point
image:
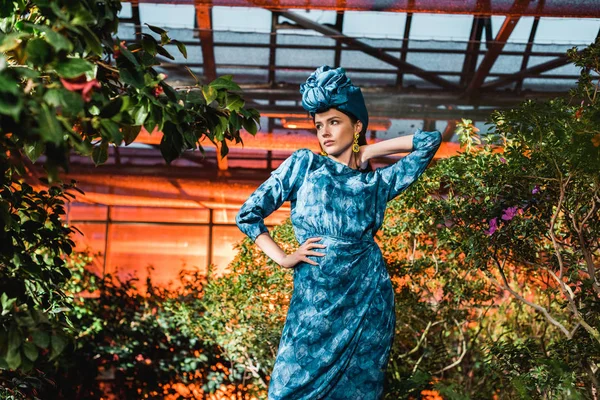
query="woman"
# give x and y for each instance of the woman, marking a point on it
(340, 324)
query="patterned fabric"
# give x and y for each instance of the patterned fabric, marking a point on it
(340, 325)
(326, 88)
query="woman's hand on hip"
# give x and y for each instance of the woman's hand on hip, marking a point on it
(301, 255)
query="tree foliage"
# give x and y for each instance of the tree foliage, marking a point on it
(67, 84)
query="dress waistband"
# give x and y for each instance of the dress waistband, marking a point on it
(346, 239)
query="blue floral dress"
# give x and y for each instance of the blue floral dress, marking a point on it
(340, 325)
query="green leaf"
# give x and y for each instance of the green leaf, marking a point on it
(163, 52)
(140, 114)
(70, 102)
(221, 128)
(189, 139)
(34, 150)
(171, 145)
(73, 67)
(156, 29)
(195, 97)
(14, 338)
(224, 149)
(7, 303)
(225, 82)
(164, 38)
(150, 124)
(50, 129)
(249, 125)
(234, 102)
(129, 56)
(13, 359)
(9, 85)
(41, 339)
(130, 133)
(170, 92)
(92, 42)
(234, 121)
(181, 47)
(210, 93)
(30, 351)
(58, 344)
(12, 41)
(38, 52)
(149, 44)
(54, 39)
(112, 108)
(83, 18)
(111, 130)
(132, 77)
(100, 153)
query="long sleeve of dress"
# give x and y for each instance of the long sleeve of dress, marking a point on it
(281, 186)
(397, 177)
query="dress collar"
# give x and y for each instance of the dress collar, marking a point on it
(338, 166)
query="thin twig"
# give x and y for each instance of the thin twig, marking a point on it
(462, 353)
(535, 306)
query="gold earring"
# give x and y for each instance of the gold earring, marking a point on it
(323, 152)
(355, 147)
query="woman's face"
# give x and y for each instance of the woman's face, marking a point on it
(335, 131)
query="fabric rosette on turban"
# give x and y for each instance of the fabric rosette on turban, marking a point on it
(326, 88)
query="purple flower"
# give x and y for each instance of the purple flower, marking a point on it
(493, 226)
(509, 213)
(536, 189)
(503, 160)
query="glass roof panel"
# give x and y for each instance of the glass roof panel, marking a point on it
(400, 127)
(505, 64)
(437, 61)
(167, 15)
(295, 38)
(441, 26)
(241, 19)
(319, 16)
(567, 30)
(359, 59)
(246, 75)
(293, 57)
(569, 69)
(520, 33)
(374, 24)
(239, 37)
(372, 79)
(125, 10)
(241, 55)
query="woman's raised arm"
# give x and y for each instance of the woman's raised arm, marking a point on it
(397, 177)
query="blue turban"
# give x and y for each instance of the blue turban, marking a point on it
(326, 88)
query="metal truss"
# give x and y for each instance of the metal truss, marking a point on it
(477, 88)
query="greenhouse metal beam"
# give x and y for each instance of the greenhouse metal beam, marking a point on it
(527, 52)
(562, 9)
(536, 70)
(472, 53)
(377, 95)
(404, 51)
(494, 50)
(339, 24)
(389, 110)
(205, 31)
(423, 50)
(372, 51)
